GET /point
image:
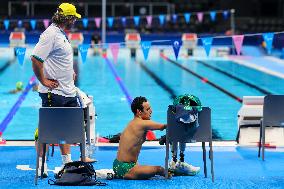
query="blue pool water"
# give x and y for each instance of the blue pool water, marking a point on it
(233, 167)
(112, 108)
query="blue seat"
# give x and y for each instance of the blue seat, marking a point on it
(273, 116)
(60, 125)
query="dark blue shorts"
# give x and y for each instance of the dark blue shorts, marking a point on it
(57, 100)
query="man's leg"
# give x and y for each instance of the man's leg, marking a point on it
(143, 172)
(72, 102)
(65, 153)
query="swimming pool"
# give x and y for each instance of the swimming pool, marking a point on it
(112, 108)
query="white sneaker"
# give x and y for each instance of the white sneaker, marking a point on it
(184, 168)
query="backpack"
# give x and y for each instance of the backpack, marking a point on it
(76, 173)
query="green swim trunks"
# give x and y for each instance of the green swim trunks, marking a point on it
(121, 168)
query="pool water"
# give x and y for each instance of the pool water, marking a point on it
(112, 109)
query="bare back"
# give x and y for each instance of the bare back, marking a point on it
(131, 141)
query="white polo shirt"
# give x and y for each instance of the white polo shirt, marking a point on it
(55, 52)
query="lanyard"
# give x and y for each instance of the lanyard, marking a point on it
(63, 32)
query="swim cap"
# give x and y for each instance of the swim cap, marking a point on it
(19, 85)
(189, 101)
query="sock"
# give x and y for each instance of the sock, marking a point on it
(66, 158)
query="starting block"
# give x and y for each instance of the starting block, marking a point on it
(17, 39)
(189, 42)
(132, 41)
(75, 39)
(249, 120)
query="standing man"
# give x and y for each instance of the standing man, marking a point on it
(52, 61)
(125, 165)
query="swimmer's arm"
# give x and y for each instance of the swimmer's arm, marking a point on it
(38, 70)
(151, 125)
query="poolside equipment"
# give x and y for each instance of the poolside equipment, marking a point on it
(186, 108)
(132, 41)
(249, 121)
(60, 125)
(17, 39)
(189, 42)
(179, 132)
(273, 117)
(249, 118)
(76, 173)
(105, 174)
(190, 102)
(76, 39)
(87, 104)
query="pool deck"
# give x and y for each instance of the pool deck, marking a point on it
(268, 64)
(234, 166)
(147, 143)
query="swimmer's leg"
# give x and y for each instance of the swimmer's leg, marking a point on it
(143, 172)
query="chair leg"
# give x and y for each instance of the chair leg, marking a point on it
(263, 141)
(260, 139)
(43, 160)
(83, 151)
(47, 152)
(204, 159)
(37, 162)
(167, 156)
(52, 150)
(211, 158)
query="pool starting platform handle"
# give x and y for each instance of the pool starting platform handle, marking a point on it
(75, 39)
(132, 40)
(17, 39)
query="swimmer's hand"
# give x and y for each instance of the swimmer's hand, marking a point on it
(50, 83)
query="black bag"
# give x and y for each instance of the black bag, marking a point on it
(76, 173)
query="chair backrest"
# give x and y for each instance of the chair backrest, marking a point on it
(273, 110)
(61, 125)
(178, 132)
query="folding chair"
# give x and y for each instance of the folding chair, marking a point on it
(273, 116)
(60, 125)
(177, 132)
